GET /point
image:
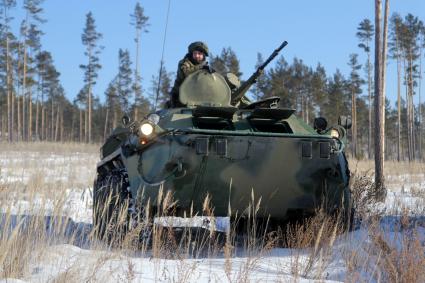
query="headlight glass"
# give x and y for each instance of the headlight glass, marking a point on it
(146, 129)
(334, 133)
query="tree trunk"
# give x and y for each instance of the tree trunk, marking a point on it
(136, 81)
(42, 113)
(29, 115)
(37, 114)
(81, 126)
(57, 124)
(407, 97)
(302, 107)
(13, 132)
(354, 124)
(369, 89)
(419, 110)
(71, 138)
(384, 71)
(47, 124)
(90, 114)
(3, 127)
(379, 130)
(37, 111)
(89, 106)
(398, 108)
(86, 125)
(24, 85)
(115, 121)
(61, 126)
(9, 91)
(52, 121)
(106, 124)
(307, 105)
(411, 116)
(43, 120)
(18, 137)
(9, 112)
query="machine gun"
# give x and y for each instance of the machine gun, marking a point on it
(240, 92)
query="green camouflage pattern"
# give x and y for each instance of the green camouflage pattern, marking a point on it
(231, 154)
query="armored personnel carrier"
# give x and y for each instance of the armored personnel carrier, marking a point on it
(231, 154)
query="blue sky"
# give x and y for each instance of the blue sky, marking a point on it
(317, 31)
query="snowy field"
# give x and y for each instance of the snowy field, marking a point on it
(50, 185)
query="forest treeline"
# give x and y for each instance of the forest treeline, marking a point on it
(34, 106)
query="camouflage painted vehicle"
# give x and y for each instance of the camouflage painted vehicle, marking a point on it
(210, 147)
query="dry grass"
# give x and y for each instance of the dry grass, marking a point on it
(375, 252)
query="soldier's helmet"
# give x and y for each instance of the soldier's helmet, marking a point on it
(198, 46)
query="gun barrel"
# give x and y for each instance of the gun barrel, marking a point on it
(273, 55)
(239, 93)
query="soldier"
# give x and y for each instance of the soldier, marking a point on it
(194, 60)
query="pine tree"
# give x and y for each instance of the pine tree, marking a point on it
(395, 51)
(379, 104)
(227, 62)
(278, 83)
(6, 5)
(420, 111)
(354, 85)
(35, 44)
(299, 86)
(160, 96)
(52, 90)
(124, 81)
(44, 62)
(318, 88)
(410, 32)
(338, 101)
(32, 41)
(112, 105)
(90, 38)
(140, 22)
(259, 88)
(362, 123)
(365, 34)
(81, 103)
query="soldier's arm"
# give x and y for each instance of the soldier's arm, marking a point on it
(187, 68)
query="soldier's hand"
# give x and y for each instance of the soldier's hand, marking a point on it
(208, 68)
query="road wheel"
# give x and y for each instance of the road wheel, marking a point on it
(111, 202)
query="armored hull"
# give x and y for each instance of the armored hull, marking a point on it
(259, 154)
(287, 171)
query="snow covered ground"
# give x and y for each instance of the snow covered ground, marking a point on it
(36, 183)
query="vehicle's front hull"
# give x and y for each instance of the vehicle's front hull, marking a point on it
(283, 173)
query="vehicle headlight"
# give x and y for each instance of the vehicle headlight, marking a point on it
(335, 133)
(146, 129)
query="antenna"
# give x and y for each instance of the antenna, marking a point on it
(162, 56)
